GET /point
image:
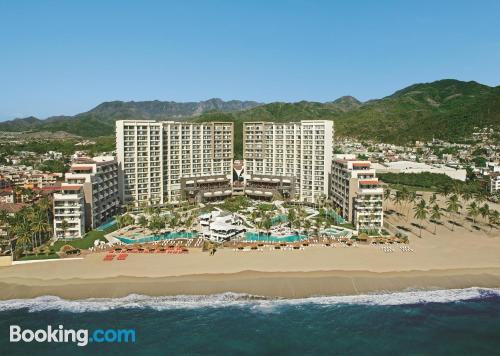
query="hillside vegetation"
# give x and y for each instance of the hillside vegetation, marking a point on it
(445, 109)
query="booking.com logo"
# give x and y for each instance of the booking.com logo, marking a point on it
(82, 337)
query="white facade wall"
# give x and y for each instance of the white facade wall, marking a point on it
(355, 190)
(69, 205)
(302, 150)
(99, 178)
(154, 156)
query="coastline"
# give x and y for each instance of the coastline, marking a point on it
(267, 284)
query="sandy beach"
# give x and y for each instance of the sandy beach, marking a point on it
(456, 256)
(436, 263)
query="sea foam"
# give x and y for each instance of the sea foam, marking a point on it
(136, 301)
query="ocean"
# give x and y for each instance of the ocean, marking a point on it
(441, 322)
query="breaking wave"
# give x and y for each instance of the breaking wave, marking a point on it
(136, 301)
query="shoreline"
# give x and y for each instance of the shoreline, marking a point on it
(266, 284)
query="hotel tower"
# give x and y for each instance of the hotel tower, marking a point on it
(288, 160)
(165, 161)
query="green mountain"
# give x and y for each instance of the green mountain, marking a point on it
(445, 109)
(101, 119)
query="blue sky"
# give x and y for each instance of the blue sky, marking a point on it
(65, 57)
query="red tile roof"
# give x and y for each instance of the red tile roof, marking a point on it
(12, 207)
(71, 187)
(366, 181)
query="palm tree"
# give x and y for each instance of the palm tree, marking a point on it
(46, 206)
(398, 198)
(435, 216)
(39, 225)
(119, 220)
(143, 221)
(484, 211)
(473, 211)
(64, 227)
(444, 190)
(467, 194)
(387, 194)
(456, 189)
(410, 198)
(128, 220)
(453, 206)
(23, 237)
(432, 199)
(291, 217)
(480, 197)
(494, 218)
(307, 225)
(156, 224)
(267, 223)
(420, 213)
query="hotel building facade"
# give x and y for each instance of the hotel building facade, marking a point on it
(291, 160)
(355, 190)
(167, 162)
(88, 198)
(69, 206)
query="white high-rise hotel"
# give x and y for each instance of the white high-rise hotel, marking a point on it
(154, 157)
(293, 159)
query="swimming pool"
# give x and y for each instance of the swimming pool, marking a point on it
(153, 238)
(254, 237)
(106, 225)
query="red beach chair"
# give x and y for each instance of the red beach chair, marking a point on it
(122, 257)
(108, 258)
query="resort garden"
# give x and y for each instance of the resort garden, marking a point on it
(241, 221)
(454, 206)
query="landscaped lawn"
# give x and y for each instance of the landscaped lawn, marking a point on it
(50, 256)
(347, 225)
(83, 243)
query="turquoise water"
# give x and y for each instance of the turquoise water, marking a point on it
(455, 322)
(152, 238)
(106, 225)
(254, 237)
